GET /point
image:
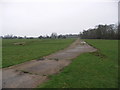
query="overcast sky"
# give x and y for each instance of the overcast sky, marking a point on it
(42, 17)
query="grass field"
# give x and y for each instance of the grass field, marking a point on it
(90, 70)
(32, 49)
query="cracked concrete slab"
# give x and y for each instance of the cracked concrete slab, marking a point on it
(33, 73)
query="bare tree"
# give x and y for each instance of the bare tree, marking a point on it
(54, 35)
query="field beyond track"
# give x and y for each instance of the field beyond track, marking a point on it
(16, 51)
(90, 70)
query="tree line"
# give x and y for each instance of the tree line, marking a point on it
(101, 32)
(111, 31)
(52, 36)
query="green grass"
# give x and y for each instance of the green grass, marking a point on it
(33, 49)
(90, 70)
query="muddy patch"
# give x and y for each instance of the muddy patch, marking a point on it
(19, 43)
